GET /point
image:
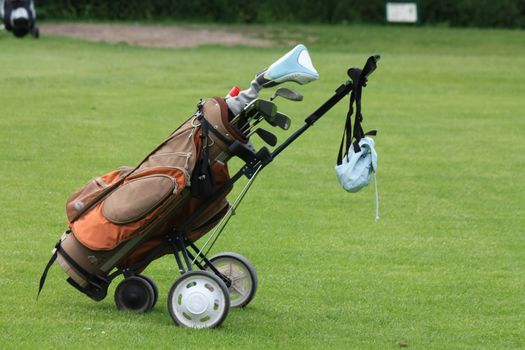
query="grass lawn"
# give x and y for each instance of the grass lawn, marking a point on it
(442, 269)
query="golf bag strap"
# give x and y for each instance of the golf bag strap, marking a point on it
(369, 68)
(46, 269)
(202, 184)
(215, 132)
(358, 129)
(347, 132)
(358, 133)
(75, 265)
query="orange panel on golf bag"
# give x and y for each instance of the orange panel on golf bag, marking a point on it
(129, 209)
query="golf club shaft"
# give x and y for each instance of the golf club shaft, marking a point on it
(341, 92)
(250, 127)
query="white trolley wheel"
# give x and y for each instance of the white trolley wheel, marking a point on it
(198, 299)
(242, 274)
(134, 294)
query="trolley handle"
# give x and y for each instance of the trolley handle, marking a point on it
(361, 76)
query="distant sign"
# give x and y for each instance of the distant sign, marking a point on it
(401, 12)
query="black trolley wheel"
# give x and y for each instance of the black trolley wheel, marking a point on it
(134, 294)
(240, 271)
(153, 286)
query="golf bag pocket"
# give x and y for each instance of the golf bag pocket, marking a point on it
(130, 209)
(137, 198)
(92, 191)
(172, 159)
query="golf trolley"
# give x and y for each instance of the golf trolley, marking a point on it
(207, 287)
(19, 17)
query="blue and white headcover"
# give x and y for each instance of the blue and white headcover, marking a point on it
(296, 65)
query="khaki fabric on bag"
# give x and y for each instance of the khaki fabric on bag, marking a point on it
(125, 203)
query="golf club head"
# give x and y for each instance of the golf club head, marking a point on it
(283, 121)
(266, 108)
(266, 136)
(253, 111)
(288, 94)
(257, 107)
(279, 119)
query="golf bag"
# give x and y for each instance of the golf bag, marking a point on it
(116, 219)
(19, 17)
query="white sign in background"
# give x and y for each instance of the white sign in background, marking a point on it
(401, 12)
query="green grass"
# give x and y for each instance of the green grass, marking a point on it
(442, 269)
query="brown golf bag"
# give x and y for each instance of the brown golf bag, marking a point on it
(117, 219)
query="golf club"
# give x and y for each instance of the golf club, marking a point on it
(288, 94)
(279, 119)
(265, 135)
(253, 110)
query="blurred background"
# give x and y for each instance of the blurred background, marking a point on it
(479, 13)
